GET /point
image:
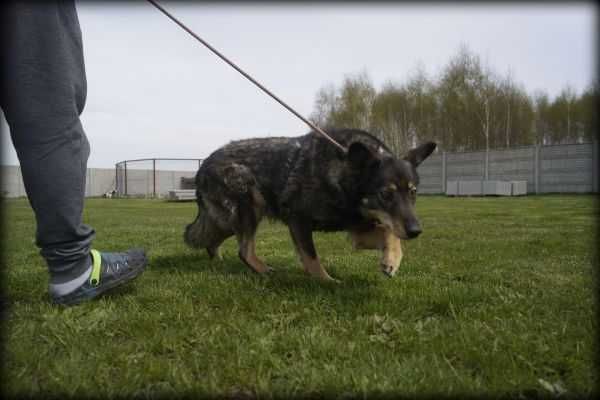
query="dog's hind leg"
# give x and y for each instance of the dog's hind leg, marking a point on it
(205, 232)
(305, 247)
(246, 236)
(249, 213)
(214, 247)
(246, 205)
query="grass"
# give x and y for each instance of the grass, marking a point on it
(495, 298)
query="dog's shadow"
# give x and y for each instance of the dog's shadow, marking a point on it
(287, 276)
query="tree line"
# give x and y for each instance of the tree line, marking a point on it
(467, 107)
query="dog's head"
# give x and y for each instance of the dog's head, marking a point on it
(389, 187)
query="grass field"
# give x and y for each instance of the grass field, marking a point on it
(495, 298)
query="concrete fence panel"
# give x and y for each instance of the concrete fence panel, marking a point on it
(465, 166)
(12, 182)
(566, 169)
(431, 175)
(513, 165)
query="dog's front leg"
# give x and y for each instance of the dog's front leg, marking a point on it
(303, 241)
(247, 254)
(382, 239)
(392, 253)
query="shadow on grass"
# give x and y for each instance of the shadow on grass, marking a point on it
(40, 298)
(196, 261)
(285, 280)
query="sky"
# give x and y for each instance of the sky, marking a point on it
(154, 91)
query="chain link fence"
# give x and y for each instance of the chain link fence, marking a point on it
(154, 177)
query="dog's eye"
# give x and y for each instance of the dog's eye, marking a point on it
(386, 194)
(412, 189)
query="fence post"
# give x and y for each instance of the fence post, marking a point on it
(125, 183)
(22, 191)
(595, 166)
(154, 178)
(88, 183)
(444, 172)
(536, 168)
(487, 165)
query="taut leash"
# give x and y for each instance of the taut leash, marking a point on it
(232, 64)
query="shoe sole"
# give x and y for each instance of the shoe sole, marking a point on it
(92, 294)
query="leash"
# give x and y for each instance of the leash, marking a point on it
(247, 76)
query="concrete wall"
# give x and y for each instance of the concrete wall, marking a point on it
(431, 172)
(566, 169)
(465, 166)
(141, 182)
(102, 180)
(12, 182)
(99, 181)
(571, 168)
(513, 165)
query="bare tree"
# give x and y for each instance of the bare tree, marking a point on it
(466, 107)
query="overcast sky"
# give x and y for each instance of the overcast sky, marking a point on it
(153, 91)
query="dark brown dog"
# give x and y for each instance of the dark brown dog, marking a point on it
(310, 185)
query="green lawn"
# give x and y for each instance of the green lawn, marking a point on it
(495, 298)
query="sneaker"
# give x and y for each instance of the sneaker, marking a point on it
(109, 270)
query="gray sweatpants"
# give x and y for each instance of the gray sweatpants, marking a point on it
(42, 94)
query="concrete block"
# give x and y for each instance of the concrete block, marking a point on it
(496, 188)
(182, 195)
(470, 188)
(452, 188)
(518, 188)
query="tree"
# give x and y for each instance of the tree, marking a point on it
(325, 106)
(468, 93)
(560, 117)
(467, 107)
(587, 106)
(517, 114)
(354, 102)
(541, 104)
(391, 117)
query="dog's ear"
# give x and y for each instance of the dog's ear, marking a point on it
(360, 157)
(417, 155)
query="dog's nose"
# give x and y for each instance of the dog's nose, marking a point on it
(413, 231)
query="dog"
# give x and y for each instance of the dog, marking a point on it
(309, 185)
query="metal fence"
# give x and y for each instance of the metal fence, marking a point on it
(568, 168)
(153, 177)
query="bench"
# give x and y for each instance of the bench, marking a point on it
(188, 183)
(486, 188)
(182, 195)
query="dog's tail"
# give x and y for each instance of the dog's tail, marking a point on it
(198, 233)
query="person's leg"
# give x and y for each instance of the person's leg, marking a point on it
(43, 93)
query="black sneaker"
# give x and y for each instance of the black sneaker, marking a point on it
(109, 270)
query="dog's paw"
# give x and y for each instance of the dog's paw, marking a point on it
(329, 279)
(260, 268)
(214, 254)
(388, 270)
